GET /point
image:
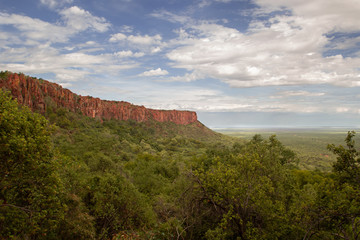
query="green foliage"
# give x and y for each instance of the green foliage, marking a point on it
(30, 187)
(122, 177)
(310, 145)
(246, 187)
(347, 166)
(116, 205)
(128, 180)
(152, 174)
(4, 74)
(329, 204)
(341, 200)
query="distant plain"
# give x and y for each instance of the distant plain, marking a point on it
(310, 144)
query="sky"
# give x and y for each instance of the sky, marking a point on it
(237, 63)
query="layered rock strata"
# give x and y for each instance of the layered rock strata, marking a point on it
(38, 94)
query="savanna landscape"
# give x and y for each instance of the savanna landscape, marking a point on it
(180, 120)
(310, 144)
(65, 175)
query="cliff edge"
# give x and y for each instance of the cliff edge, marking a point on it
(38, 94)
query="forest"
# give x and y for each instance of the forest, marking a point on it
(67, 176)
(309, 143)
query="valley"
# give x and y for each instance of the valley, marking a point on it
(76, 167)
(310, 144)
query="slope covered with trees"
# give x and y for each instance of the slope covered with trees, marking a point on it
(67, 176)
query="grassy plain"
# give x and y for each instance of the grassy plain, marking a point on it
(310, 144)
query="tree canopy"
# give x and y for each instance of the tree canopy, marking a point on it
(30, 187)
(67, 176)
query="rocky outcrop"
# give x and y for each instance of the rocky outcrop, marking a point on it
(38, 94)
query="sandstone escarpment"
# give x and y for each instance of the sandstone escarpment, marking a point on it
(37, 94)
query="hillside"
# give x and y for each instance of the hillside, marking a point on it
(85, 177)
(46, 98)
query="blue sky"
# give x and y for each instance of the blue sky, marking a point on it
(237, 63)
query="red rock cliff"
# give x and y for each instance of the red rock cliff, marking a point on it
(38, 93)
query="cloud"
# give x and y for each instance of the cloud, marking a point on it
(154, 72)
(137, 39)
(128, 53)
(182, 97)
(155, 49)
(205, 3)
(188, 77)
(145, 40)
(171, 17)
(210, 100)
(127, 29)
(301, 93)
(303, 43)
(337, 15)
(31, 31)
(283, 49)
(55, 3)
(342, 109)
(67, 67)
(347, 43)
(82, 20)
(31, 45)
(143, 43)
(117, 37)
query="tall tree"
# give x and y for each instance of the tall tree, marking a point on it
(30, 188)
(246, 187)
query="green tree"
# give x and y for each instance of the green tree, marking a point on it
(334, 213)
(342, 199)
(347, 166)
(30, 187)
(246, 187)
(116, 205)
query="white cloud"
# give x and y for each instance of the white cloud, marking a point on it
(138, 54)
(343, 43)
(82, 20)
(337, 15)
(342, 109)
(124, 54)
(128, 53)
(155, 50)
(188, 77)
(144, 43)
(32, 45)
(301, 93)
(283, 50)
(174, 18)
(117, 37)
(127, 29)
(32, 31)
(210, 100)
(205, 3)
(137, 39)
(145, 40)
(69, 67)
(55, 3)
(155, 72)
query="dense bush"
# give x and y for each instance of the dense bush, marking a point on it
(84, 178)
(30, 187)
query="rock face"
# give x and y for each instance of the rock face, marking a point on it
(38, 94)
